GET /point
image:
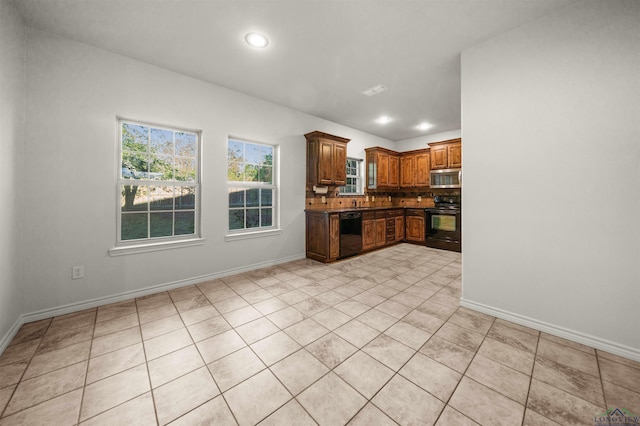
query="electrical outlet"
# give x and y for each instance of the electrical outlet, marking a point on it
(419, 198)
(77, 272)
(324, 199)
(389, 197)
(366, 198)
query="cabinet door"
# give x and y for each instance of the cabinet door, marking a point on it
(455, 155)
(394, 171)
(380, 232)
(439, 157)
(316, 236)
(422, 170)
(334, 236)
(399, 228)
(414, 228)
(372, 170)
(325, 163)
(406, 171)
(368, 234)
(340, 164)
(383, 170)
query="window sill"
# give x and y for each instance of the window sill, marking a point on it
(249, 235)
(145, 248)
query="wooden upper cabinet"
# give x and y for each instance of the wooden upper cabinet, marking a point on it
(383, 168)
(394, 171)
(340, 164)
(455, 155)
(446, 154)
(326, 159)
(407, 170)
(414, 168)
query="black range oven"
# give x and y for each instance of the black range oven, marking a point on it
(443, 224)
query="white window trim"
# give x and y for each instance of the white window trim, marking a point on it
(274, 229)
(155, 246)
(360, 179)
(124, 247)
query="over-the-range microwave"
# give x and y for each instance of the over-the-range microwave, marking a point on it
(446, 178)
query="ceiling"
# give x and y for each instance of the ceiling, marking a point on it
(322, 53)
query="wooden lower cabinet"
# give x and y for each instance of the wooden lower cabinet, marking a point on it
(379, 228)
(368, 234)
(414, 225)
(399, 228)
(323, 236)
(374, 230)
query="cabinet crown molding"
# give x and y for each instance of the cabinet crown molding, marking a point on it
(319, 134)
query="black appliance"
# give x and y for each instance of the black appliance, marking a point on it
(444, 223)
(350, 234)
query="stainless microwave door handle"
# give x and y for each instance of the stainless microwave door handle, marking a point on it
(460, 177)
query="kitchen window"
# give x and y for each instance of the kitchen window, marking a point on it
(251, 181)
(354, 178)
(158, 184)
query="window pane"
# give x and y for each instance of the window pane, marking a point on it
(235, 172)
(135, 165)
(236, 198)
(134, 137)
(266, 174)
(133, 197)
(266, 155)
(185, 223)
(253, 218)
(266, 197)
(236, 219)
(266, 217)
(253, 197)
(185, 169)
(251, 173)
(161, 167)
(186, 144)
(161, 142)
(185, 197)
(235, 151)
(252, 154)
(161, 224)
(160, 198)
(133, 226)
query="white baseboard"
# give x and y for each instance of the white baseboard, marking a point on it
(79, 306)
(574, 336)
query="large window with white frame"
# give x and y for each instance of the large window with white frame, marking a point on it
(158, 184)
(251, 180)
(354, 178)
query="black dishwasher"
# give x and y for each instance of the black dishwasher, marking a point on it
(350, 234)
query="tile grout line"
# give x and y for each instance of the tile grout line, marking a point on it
(526, 401)
(146, 364)
(86, 372)
(22, 375)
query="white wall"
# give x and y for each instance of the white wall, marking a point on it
(551, 129)
(74, 93)
(12, 95)
(421, 141)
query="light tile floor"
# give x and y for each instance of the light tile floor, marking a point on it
(378, 339)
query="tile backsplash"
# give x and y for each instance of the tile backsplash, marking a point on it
(378, 199)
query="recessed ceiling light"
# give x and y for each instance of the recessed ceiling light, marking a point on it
(256, 40)
(375, 90)
(383, 119)
(424, 126)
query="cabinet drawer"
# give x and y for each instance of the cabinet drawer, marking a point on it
(391, 221)
(368, 215)
(414, 212)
